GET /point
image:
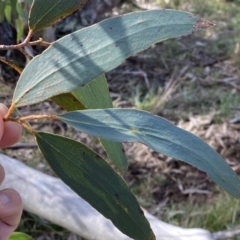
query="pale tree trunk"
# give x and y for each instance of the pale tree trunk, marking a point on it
(50, 198)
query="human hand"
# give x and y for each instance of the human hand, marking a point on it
(10, 200)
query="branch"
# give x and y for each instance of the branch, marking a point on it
(20, 45)
(11, 64)
(40, 42)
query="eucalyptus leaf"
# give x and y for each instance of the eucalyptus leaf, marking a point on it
(128, 125)
(68, 102)
(2, 10)
(44, 13)
(94, 180)
(13, 4)
(82, 56)
(8, 12)
(95, 95)
(19, 236)
(20, 28)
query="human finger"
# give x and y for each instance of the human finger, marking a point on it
(10, 132)
(10, 211)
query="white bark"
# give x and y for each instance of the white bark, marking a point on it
(50, 198)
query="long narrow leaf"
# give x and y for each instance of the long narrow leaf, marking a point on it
(95, 181)
(44, 13)
(127, 125)
(82, 56)
(95, 95)
(68, 102)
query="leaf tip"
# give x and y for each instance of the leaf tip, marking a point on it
(202, 24)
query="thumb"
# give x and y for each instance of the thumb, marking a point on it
(10, 132)
(3, 111)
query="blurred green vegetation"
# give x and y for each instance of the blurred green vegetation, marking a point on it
(217, 215)
(15, 12)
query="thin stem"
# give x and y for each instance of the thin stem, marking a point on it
(40, 42)
(10, 111)
(22, 120)
(31, 117)
(26, 42)
(29, 58)
(20, 45)
(37, 117)
(11, 64)
(26, 126)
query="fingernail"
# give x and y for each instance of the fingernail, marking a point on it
(3, 199)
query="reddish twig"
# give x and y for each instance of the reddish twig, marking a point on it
(40, 42)
(11, 64)
(20, 45)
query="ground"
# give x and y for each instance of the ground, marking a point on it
(194, 82)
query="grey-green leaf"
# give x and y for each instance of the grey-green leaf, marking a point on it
(127, 125)
(82, 56)
(94, 180)
(95, 95)
(44, 13)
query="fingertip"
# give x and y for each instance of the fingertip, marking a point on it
(11, 135)
(14, 129)
(10, 132)
(11, 206)
(3, 110)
